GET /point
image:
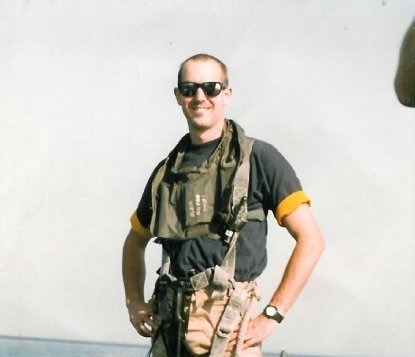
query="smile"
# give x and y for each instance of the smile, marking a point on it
(200, 108)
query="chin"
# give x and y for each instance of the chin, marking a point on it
(199, 122)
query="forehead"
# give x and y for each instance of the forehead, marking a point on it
(202, 71)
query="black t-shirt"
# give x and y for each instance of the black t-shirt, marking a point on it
(272, 183)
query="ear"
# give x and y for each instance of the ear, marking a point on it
(178, 96)
(227, 94)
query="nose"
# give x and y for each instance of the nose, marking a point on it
(200, 94)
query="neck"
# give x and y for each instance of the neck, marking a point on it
(202, 135)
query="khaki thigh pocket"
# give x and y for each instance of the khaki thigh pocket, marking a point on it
(204, 316)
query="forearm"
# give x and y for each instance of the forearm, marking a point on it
(304, 257)
(308, 249)
(134, 269)
(134, 274)
(297, 272)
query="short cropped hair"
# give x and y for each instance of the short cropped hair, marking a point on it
(204, 57)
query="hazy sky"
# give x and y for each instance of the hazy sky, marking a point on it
(87, 110)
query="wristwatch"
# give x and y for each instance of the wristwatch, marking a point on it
(271, 312)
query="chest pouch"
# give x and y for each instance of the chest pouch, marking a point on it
(192, 202)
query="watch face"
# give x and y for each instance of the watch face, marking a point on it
(271, 311)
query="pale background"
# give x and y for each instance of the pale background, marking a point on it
(87, 110)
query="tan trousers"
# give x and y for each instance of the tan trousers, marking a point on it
(205, 314)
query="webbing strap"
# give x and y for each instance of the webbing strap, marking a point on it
(241, 180)
(243, 327)
(220, 278)
(165, 263)
(228, 262)
(237, 306)
(201, 280)
(239, 205)
(221, 283)
(156, 182)
(216, 278)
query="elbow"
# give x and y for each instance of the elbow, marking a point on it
(316, 245)
(321, 246)
(313, 245)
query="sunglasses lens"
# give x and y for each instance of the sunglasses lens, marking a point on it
(187, 89)
(212, 89)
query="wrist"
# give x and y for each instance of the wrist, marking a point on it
(273, 313)
(133, 303)
(280, 305)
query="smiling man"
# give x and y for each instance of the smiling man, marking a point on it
(207, 204)
(204, 113)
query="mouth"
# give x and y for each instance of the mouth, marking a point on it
(200, 109)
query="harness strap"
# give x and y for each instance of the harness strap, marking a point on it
(237, 306)
(244, 325)
(241, 180)
(221, 283)
(228, 262)
(165, 263)
(201, 280)
(216, 278)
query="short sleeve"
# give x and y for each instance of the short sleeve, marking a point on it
(137, 227)
(274, 181)
(141, 218)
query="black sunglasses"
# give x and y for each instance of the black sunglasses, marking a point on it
(211, 89)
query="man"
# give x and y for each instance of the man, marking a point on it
(207, 203)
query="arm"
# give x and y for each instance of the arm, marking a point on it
(308, 249)
(134, 273)
(405, 75)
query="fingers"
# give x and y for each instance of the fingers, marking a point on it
(145, 326)
(141, 318)
(144, 329)
(251, 340)
(233, 339)
(257, 330)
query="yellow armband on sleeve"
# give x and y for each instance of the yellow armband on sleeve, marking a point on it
(290, 204)
(137, 227)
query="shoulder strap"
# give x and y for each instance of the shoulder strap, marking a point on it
(156, 182)
(240, 214)
(241, 180)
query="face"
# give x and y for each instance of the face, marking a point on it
(203, 112)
